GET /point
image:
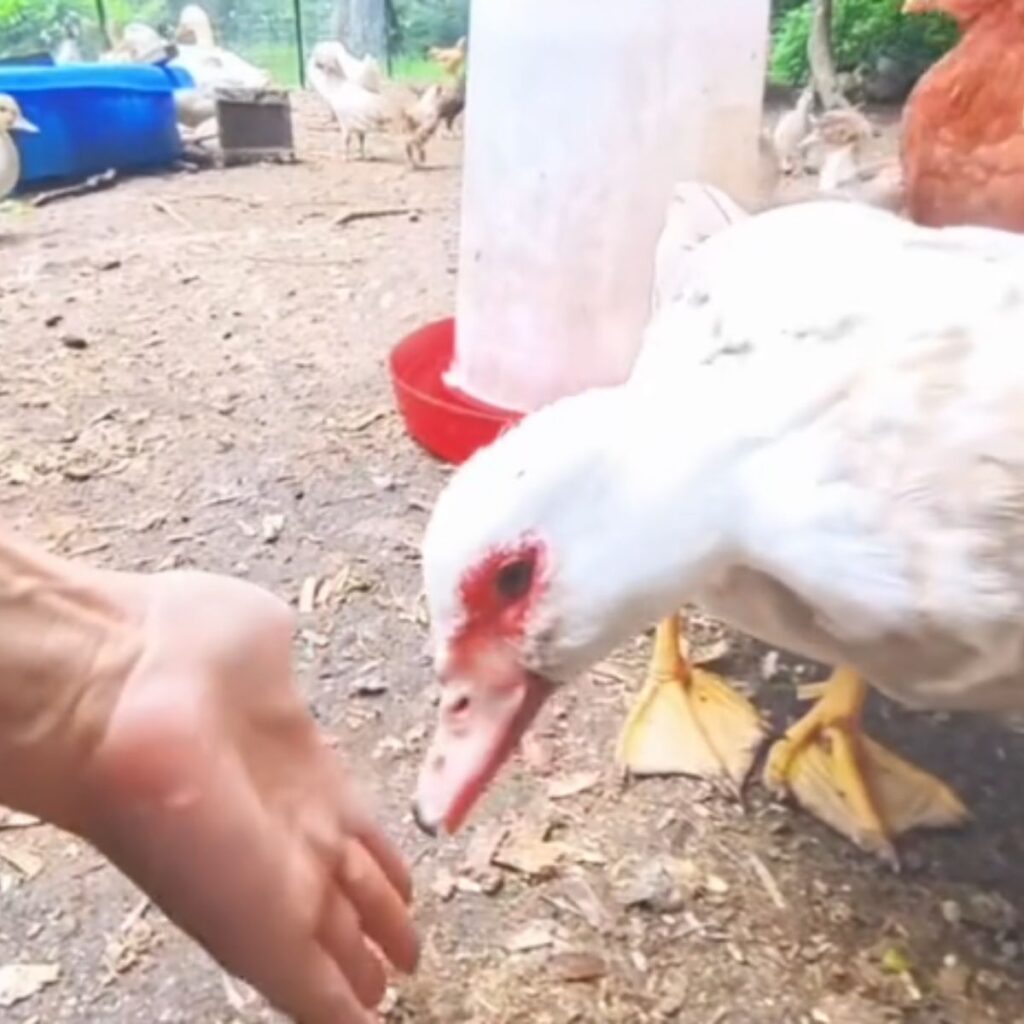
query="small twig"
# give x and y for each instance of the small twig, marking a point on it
(367, 420)
(162, 207)
(93, 183)
(89, 549)
(221, 499)
(767, 879)
(136, 914)
(353, 215)
(293, 262)
(224, 197)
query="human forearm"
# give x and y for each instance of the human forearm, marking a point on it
(66, 637)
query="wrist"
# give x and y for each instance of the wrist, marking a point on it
(68, 638)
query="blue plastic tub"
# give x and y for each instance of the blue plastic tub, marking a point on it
(95, 116)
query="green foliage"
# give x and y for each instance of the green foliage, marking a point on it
(28, 26)
(426, 23)
(862, 32)
(417, 70)
(24, 23)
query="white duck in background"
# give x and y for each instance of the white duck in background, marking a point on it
(137, 44)
(11, 120)
(69, 50)
(821, 443)
(353, 90)
(195, 27)
(212, 68)
(330, 59)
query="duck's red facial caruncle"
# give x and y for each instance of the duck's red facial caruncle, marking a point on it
(489, 694)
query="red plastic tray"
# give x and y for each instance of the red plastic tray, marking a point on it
(447, 422)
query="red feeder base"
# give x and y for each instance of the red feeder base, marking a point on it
(447, 422)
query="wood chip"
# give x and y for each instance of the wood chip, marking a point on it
(19, 982)
(483, 847)
(576, 896)
(169, 211)
(17, 819)
(573, 785)
(368, 686)
(614, 673)
(706, 654)
(307, 596)
(536, 935)
(351, 216)
(367, 420)
(135, 938)
(537, 857)
(273, 527)
(443, 885)
(239, 995)
(536, 752)
(717, 886)
(578, 966)
(29, 864)
(767, 879)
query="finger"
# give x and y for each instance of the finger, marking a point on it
(381, 909)
(388, 857)
(321, 993)
(357, 820)
(342, 936)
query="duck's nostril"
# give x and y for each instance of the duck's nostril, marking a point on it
(461, 706)
(421, 822)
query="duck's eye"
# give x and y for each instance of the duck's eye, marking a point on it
(513, 580)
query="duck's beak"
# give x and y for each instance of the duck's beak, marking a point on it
(482, 718)
(23, 124)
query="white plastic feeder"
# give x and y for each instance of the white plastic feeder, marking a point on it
(581, 116)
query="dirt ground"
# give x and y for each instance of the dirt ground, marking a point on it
(194, 373)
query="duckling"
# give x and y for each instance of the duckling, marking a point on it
(11, 119)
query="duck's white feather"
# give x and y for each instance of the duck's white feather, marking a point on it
(883, 515)
(822, 443)
(10, 164)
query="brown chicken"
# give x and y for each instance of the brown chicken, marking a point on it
(963, 127)
(451, 58)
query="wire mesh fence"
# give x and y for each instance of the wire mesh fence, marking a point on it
(276, 35)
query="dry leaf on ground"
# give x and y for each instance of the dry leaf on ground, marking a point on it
(28, 863)
(578, 966)
(573, 785)
(536, 935)
(19, 982)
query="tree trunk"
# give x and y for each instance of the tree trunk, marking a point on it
(819, 54)
(362, 25)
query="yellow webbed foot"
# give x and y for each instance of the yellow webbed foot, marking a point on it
(687, 721)
(853, 784)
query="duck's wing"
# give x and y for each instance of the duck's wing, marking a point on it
(870, 372)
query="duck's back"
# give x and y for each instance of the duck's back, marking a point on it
(873, 369)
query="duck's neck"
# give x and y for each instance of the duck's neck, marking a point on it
(656, 523)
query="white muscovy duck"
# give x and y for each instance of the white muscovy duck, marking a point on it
(11, 120)
(212, 68)
(821, 443)
(352, 88)
(194, 26)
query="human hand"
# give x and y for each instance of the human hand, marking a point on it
(212, 788)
